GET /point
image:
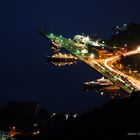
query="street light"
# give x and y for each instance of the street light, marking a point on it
(92, 55)
(138, 49)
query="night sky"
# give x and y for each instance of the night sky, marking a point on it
(24, 76)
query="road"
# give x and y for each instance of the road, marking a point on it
(108, 64)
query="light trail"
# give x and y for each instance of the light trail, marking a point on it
(135, 83)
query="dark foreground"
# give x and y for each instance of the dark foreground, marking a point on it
(115, 119)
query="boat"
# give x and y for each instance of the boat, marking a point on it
(97, 84)
(62, 57)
